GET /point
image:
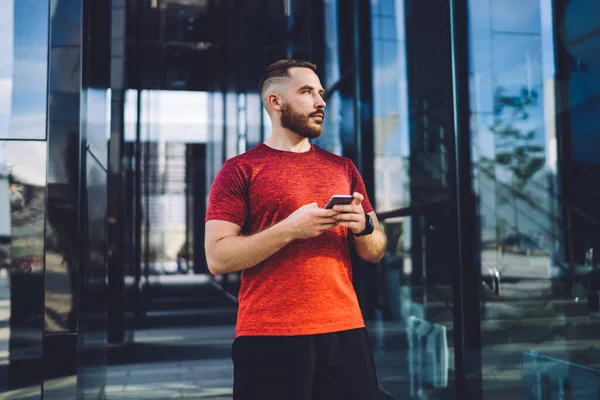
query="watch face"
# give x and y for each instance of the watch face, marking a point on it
(370, 226)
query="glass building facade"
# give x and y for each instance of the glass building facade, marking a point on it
(476, 127)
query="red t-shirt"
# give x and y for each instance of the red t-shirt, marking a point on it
(306, 287)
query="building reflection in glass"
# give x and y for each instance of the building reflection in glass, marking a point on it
(170, 122)
(22, 220)
(535, 101)
(531, 163)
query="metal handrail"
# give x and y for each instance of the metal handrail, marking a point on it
(417, 209)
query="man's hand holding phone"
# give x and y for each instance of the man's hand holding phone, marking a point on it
(351, 216)
(310, 221)
(341, 210)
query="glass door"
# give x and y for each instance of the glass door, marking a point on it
(412, 314)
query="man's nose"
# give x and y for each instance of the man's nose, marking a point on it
(320, 103)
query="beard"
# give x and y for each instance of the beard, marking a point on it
(301, 124)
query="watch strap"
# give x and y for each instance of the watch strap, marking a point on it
(369, 227)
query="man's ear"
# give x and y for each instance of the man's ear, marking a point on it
(274, 101)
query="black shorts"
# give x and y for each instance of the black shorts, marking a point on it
(327, 366)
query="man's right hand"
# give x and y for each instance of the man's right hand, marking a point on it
(310, 221)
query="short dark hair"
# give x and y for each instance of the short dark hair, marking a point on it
(281, 69)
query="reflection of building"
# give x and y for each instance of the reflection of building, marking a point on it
(173, 84)
(5, 225)
(166, 198)
(4, 199)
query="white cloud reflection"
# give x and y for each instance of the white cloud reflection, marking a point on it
(5, 99)
(26, 160)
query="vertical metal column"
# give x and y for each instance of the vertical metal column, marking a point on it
(138, 160)
(116, 179)
(363, 95)
(563, 117)
(467, 277)
(288, 9)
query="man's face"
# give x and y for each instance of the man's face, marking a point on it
(302, 110)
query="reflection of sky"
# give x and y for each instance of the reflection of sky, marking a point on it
(581, 21)
(6, 49)
(23, 68)
(331, 139)
(521, 16)
(65, 16)
(389, 73)
(389, 103)
(511, 47)
(516, 49)
(31, 22)
(6, 39)
(509, 50)
(504, 49)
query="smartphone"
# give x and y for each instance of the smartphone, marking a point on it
(339, 199)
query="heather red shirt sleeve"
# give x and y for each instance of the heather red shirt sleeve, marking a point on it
(228, 198)
(358, 185)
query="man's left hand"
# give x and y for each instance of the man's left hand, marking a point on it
(352, 216)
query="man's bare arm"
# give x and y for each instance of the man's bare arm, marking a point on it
(371, 247)
(229, 251)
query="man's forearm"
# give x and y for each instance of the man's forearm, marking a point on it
(371, 247)
(236, 253)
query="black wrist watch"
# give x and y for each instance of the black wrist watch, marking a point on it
(369, 227)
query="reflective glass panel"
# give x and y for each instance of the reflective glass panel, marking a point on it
(216, 142)
(171, 124)
(92, 328)
(97, 126)
(536, 147)
(412, 325)
(390, 111)
(130, 115)
(253, 115)
(330, 76)
(231, 114)
(22, 223)
(175, 116)
(183, 311)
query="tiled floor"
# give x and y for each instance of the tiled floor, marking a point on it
(171, 380)
(196, 366)
(195, 363)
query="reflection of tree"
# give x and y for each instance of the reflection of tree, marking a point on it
(27, 206)
(516, 150)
